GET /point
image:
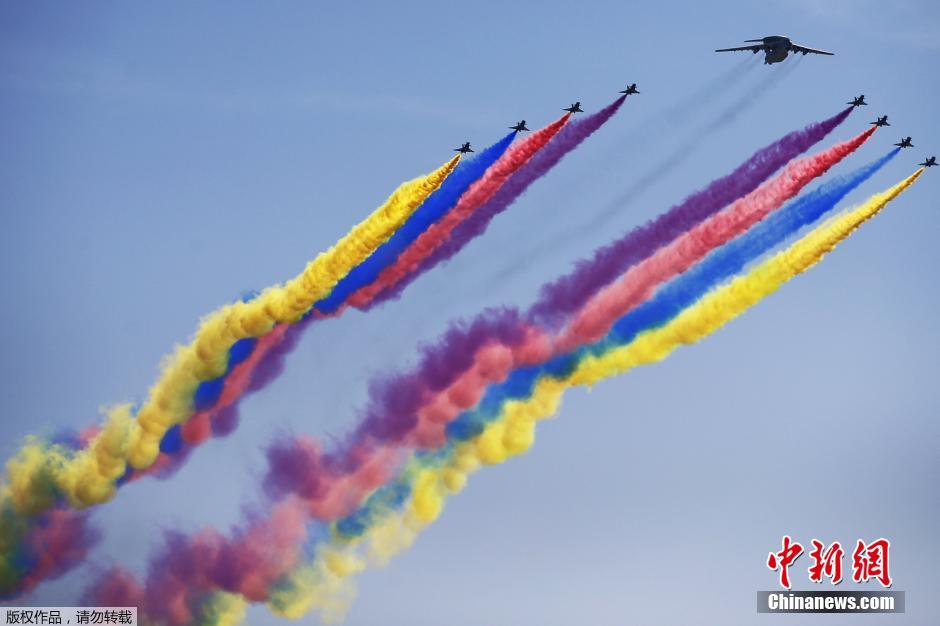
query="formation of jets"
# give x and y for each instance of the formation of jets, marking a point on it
(775, 48)
(905, 142)
(773, 51)
(521, 127)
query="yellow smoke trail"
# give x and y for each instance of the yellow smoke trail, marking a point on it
(88, 477)
(223, 609)
(513, 432)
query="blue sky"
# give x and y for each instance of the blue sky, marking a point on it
(159, 160)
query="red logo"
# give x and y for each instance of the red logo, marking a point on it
(869, 561)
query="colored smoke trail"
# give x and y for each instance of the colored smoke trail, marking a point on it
(636, 284)
(568, 138)
(409, 262)
(468, 173)
(431, 478)
(565, 295)
(42, 476)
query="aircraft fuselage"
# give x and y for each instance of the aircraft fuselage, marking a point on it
(776, 54)
(777, 48)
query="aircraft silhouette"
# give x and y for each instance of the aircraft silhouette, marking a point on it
(905, 143)
(519, 127)
(574, 108)
(464, 148)
(629, 90)
(881, 121)
(858, 102)
(931, 162)
(775, 48)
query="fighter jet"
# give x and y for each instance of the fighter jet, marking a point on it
(881, 121)
(464, 148)
(858, 102)
(905, 143)
(932, 161)
(574, 108)
(775, 48)
(629, 90)
(519, 127)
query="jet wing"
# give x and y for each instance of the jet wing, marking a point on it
(798, 48)
(754, 48)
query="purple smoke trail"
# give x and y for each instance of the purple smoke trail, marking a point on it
(567, 294)
(567, 139)
(394, 400)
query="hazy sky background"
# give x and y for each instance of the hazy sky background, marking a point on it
(159, 159)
